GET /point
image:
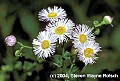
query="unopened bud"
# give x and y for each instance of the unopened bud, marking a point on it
(10, 40)
(107, 19)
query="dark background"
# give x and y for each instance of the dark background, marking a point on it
(20, 18)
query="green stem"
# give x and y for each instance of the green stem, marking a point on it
(72, 63)
(21, 49)
(24, 46)
(20, 44)
(63, 51)
(27, 47)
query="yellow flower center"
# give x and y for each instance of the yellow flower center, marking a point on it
(88, 52)
(82, 38)
(45, 44)
(52, 15)
(60, 30)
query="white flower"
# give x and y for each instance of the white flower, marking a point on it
(82, 34)
(62, 29)
(44, 45)
(52, 14)
(87, 52)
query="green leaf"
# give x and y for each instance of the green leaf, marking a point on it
(29, 22)
(38, 67)
(7, 68)
(3, 11)
(58, 60)
(28, 54)
(28, 65)
(40, 60)
(66, 55)
(6, 21)
(74, 69)
(18, 65)
(66, 63)
(7, 25)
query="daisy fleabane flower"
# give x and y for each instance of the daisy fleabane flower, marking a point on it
(52, 14)
(62, 29)
(87, 52)
(44, 45)
(81, 34)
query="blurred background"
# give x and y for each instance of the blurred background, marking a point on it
(20, 18)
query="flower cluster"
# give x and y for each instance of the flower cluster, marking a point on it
(62, 29)
(59, 28)
(84, 42)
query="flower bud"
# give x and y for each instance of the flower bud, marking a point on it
(10, 40)
(18, 53)
(73, 50)
(107, 19)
